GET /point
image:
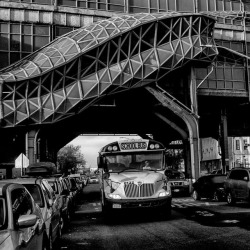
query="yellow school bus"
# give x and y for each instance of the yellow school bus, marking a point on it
(132, 176)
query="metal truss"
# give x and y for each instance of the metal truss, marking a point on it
(121, 53)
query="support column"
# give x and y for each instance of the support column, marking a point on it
(30, 145)
(224, 141)
(191, 122)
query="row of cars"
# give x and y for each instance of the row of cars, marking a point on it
(34, 210)
(230, 187)
(233, 187)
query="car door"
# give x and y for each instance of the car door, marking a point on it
(21, 202)
(200, 186)
(232, 182)
(242, 185)
(208, 187)
(54, 206)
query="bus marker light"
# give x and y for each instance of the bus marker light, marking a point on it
(163, 194)
(115, 196)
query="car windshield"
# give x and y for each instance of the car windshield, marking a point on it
(36, 194)
(2, 214)
(219, 179)
(174, 174)
(135, 161)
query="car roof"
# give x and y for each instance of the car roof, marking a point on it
(240, 168)
(209, 176)
(24, 180)
(6, 182)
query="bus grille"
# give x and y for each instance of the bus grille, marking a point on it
(145, 190)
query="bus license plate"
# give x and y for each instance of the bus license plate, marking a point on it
(117, 206)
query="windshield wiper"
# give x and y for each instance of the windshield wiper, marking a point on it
(126, 169)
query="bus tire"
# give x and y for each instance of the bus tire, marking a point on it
(105, 208)
(166, 211)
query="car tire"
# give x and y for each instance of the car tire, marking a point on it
(195, 195)
(230, 198)
(45, 243)
(60, 227)
(50, 242)
(67, 217)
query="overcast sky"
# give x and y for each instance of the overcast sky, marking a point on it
(90, 146)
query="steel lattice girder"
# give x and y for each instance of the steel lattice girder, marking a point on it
(109, 56)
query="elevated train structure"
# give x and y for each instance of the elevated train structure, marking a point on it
(178, 73)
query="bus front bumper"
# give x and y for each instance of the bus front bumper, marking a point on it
(142, 203)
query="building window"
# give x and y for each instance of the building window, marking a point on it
(237, 144)
(245, 144)
(17, 40)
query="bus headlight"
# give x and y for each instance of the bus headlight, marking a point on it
(115, 196)
(186, 183)
(165, 193)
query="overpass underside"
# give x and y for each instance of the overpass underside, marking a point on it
(136, 74)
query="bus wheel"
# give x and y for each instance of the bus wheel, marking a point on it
(105, 208)
(165, 212)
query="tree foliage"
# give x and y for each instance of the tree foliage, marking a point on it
(69, 158)
(174, 157)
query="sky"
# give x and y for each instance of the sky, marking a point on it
(90, 146)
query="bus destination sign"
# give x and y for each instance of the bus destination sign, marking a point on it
(133, 146)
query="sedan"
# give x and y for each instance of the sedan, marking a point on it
(209, 186)
(21, 222)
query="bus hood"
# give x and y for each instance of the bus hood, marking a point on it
(146, 177)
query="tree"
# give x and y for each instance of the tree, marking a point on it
(174, 157)
(70, 158)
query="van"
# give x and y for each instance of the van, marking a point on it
(237, 185)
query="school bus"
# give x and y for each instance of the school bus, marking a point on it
(132, 176)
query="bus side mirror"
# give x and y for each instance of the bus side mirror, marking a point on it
(101, 163)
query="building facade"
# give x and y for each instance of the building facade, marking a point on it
(239, 148)
(210, 155)
(28, 25)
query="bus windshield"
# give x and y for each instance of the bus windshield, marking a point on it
(141, 161)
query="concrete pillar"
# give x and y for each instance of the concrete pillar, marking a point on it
(224, 141)
(31, 145)
(190, 119)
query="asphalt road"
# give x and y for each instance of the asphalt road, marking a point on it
(193, 225)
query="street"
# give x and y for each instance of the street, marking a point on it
(193, 225)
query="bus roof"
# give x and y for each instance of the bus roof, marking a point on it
(132, 145)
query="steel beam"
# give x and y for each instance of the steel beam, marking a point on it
(191, 122)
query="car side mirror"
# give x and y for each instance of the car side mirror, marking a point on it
(25, 221)
(50, 202)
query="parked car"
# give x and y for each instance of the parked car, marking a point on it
(84, 179)
(45, 198)
(209, 186)
(237, 185)
(71, 193)
(178, 181)
(78, 180)
(21, 221)
(63, 198)
(93, 179)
